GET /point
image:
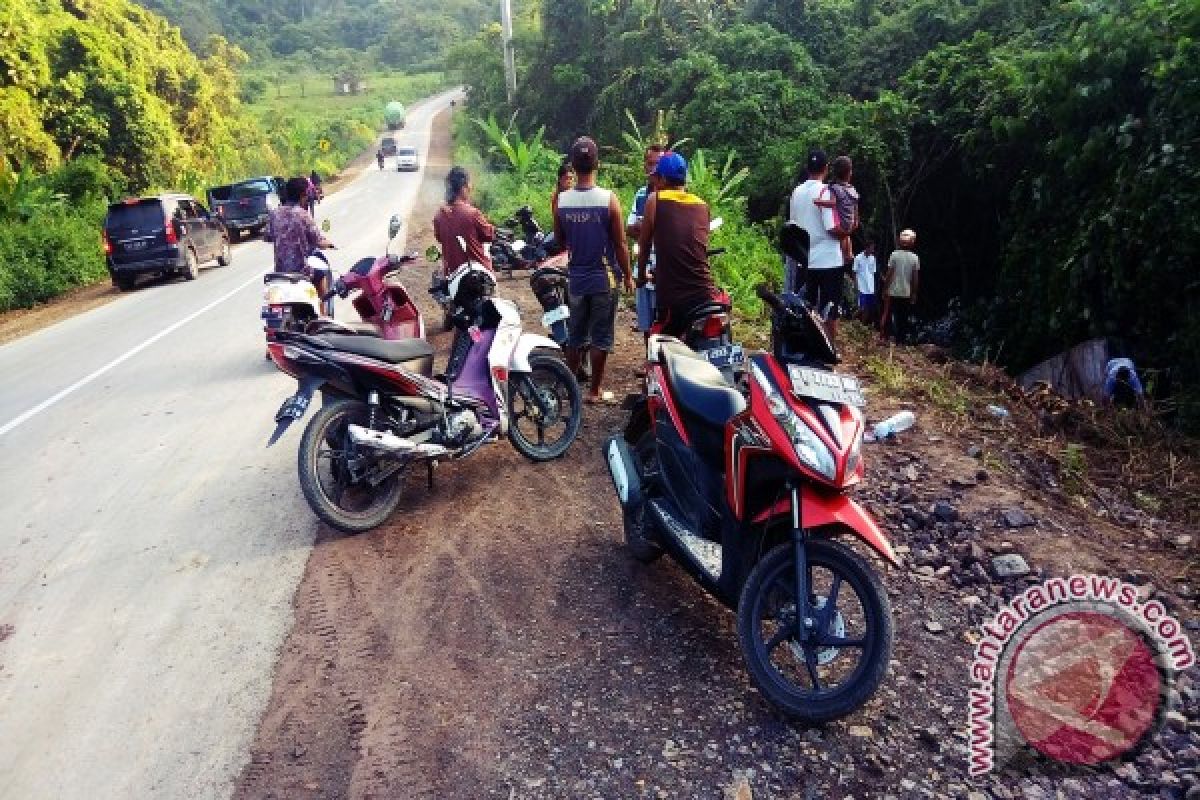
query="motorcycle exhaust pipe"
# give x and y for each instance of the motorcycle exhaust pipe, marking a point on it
(380, 440)
(392, 444)
(624, 472)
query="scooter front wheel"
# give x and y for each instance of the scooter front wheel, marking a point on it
(545, 408)
(836, 666)
(333, 471)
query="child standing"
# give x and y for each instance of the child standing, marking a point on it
(864, 280)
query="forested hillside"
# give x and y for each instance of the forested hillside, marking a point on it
(104, 97)
(413, 34)
(1045, 151)
(105, 78)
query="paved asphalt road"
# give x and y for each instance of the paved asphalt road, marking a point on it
(150, 544)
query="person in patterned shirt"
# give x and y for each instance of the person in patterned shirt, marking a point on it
(295, 234)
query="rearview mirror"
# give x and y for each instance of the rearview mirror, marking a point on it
(433, 254)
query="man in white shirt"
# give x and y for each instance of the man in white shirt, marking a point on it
(864, 281)
(823, 281)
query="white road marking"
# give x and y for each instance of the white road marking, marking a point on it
(84, 381)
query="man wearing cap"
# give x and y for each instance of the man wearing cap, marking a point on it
(811, 208)
(902, 281)
(675, 227)
(587, 219)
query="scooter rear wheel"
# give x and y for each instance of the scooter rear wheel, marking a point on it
(324, 467)
(816, 682)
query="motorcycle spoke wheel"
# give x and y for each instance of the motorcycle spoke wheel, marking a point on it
(333, 471)
(544, 409)
(826, 670)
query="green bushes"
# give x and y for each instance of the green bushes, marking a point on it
(50, 230)
(48, 253)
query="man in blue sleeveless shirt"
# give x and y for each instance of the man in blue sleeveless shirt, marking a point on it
(588, 220)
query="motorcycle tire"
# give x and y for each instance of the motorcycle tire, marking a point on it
(638, 542)
(555, 368)
(328, 424)
(802, 703)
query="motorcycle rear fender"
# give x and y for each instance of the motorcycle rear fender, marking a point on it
(822, 510)
(519, 361)
(286, 293)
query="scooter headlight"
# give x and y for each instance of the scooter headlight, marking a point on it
(809, 448)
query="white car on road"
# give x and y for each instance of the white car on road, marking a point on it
(406, 159)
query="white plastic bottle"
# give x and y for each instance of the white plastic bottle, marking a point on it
(897, 423)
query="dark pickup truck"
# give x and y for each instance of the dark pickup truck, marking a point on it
(244, 206)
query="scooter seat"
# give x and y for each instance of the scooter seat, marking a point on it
(659, 346)
(381, 349)
(700, 389)
(290, 277)
(360, 328)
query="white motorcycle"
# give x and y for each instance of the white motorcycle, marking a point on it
(291, 301)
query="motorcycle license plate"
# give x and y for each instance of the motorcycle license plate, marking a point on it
(828, 387)
(294, 407)
(556, 315)
(726, 356)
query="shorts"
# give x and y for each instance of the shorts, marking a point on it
(593, 321)
(645, 308)
(822, 287)
(867, 302)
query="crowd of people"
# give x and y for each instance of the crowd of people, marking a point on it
(670, 274)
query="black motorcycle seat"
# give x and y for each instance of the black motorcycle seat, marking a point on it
(700, 389)
(360, 328)
(380, 349)
(291, 277)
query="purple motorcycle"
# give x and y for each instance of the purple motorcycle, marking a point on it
(383, 411)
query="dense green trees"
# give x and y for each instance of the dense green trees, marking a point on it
(1045, 150)
(412, 34)
(105, 78)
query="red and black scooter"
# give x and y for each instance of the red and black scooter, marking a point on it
(748, 493)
